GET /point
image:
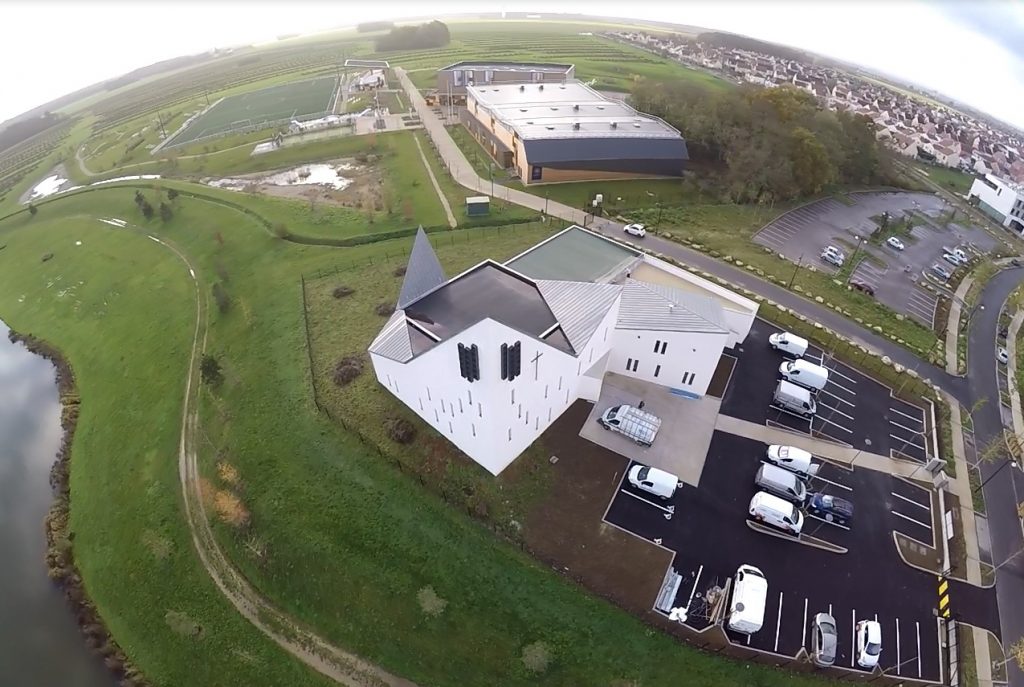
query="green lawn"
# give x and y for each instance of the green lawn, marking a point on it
(951, 179)
(348, 542)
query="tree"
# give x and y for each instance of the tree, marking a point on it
(139, 198)
(172, 193)
(32, 209)
(165, 212)
(147, 209)
(210, 370)
(812, 169)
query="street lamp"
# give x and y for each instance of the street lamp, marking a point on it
(793, 278)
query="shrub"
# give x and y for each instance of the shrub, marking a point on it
(172, 193)
(399, 430)
(431, 604)
(342, 291)
(220, 295)
(537, 657)
(210, 370)
(281, 230)
(230, 509)
(384, 309)
(47, 256)
(347, 369)
(165, 212)
(147, 209)
(399, 271)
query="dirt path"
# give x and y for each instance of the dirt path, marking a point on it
(437, 187)
(337, 664)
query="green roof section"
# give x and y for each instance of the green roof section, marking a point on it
(574, 255)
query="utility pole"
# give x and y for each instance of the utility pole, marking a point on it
(161, 121)
(793, 278)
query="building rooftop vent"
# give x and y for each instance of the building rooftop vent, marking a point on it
(576, 126)
(615, 125)
(542, 87)
(576, 107)
(550, 128)
(554, 109)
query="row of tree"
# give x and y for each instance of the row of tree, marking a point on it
(430, 35)
(768, 144)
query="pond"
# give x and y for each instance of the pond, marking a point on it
(39, 641)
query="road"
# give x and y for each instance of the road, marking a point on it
(1006, 489)
(1001, 494)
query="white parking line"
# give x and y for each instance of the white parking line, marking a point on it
(827, 522)
(907, 441)
(830, 609)
(909, 500)
(768, 238)
(828, 481)
(778, 624)
(836, 410)
(848, 431)
(841, 400)
(803, 632)
(910, 519)
(910, 417)
(898, 662)
(918, 624)
(853, 636)
(833, 382)
(848, 378)
(669, 510)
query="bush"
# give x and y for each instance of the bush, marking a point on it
(220, 295)
(281, 230)
(210, 370)
(342, 291)
(537, 657)
(399, 271)
(231, 510)
(399, 430)
(347, 369)
(47, 256)
(430, 603)
(384, 309)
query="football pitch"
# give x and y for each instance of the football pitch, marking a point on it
(247, 111)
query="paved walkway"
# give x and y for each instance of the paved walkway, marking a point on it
(437, 187)
(462, 171)
(953, 326)
(1011, 371)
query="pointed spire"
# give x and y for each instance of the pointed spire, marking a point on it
(423, 272)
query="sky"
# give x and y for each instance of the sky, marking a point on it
(971, 50)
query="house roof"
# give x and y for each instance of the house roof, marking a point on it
(663, 308)
(478, 65)
(423, 271)
(579, 307)
(393, 340)
(575, 254)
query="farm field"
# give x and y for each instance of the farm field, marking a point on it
(334, 535)
(257, 109)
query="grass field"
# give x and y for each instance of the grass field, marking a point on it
(297, 100)
(951, 179)
(348, 543)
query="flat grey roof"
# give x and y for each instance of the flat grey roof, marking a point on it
(549, 67)
(574, 255)
(486, 291)
(569, 110)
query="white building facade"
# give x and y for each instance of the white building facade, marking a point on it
(1000, 199)
(491, 357)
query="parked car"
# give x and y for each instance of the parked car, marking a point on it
(833, 255)
(1016, 262)
(653, 480)
(951, 259)
(631, 422)
(941, 271)
(637, 230)
(824, 640)
(830, 508)
(1002, 356)
(869, 643)
(863, 287)
(749, 593)
(793, 459)
(894, 242)
(777, 512)
(958, 253)
(788, 343)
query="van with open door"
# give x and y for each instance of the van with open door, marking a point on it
(749, 593)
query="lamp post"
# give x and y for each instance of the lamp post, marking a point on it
(799, 263)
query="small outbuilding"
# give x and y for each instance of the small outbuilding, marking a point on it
(478, 205)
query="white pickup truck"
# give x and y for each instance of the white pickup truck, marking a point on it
(638, 425)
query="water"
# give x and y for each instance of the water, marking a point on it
(306, 175)
(47, 187)
(40, 645)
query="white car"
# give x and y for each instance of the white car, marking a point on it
(894, 242)
(869, 643)
(1002, 356)
(637, 230)
(834, 256)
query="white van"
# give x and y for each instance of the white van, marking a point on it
(749, 593)
(805, 374)
(771, 510)
(653, 480)
(781, 483)
(794, 399)
(788, 343)
(793, 459)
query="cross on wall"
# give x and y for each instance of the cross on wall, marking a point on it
(535, 362)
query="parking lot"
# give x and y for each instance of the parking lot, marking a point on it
(869, 581)
(853, 408)
(801, 235)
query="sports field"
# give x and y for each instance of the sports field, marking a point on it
(298, 100)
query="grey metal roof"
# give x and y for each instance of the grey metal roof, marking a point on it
(554, 150)
(476, 65)
(423, 272)
(575, 255)
(662, 308)
(393, 340)
(579, 307)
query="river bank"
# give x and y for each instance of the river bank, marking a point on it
(60, 560)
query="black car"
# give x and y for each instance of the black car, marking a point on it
(830, 508)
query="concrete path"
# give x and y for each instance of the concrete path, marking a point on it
(953, 325)
(1011, 371)
(437, 187)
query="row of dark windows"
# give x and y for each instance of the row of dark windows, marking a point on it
(511, 361)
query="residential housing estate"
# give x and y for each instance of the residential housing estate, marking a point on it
(492, 356)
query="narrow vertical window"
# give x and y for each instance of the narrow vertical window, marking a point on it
(520, 410)
(473, 427)
(559, 383)
(657, 370)
(480, 409)
(545, 391)
(657, 345)
(460, 406)
(436, 418)
(629, 364)
(428, 394)
(469, 393)
(549, 414)
(450, 430)
(421, 403)
(510, 434)
(513, 396)
(527, 417)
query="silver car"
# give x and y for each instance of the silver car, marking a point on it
(823, 640)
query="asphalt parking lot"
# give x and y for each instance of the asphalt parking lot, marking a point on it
(869, 581)
(853, 408)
